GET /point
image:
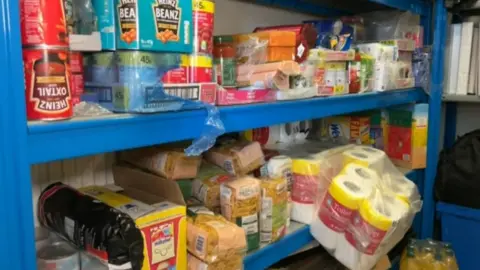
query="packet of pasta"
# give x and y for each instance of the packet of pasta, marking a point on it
(212, 238)
(237, 158)
(273, 215)
(240, 203)
(167, 161)
(206, 187)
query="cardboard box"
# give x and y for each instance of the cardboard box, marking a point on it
(155, 25)
(407, 128)
(163, 225)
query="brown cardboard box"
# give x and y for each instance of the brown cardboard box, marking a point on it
(149, 187)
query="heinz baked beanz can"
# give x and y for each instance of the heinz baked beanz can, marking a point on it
(44, 24)
(155, 25)
(47, 84)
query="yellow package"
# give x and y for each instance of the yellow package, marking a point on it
(273, 216)
(238, 158)
(206, 187)
(212, 238)
(163, 227)
(240, 202)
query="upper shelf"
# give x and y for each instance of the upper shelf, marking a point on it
(49, 141)
(345, 7)
(461, 98)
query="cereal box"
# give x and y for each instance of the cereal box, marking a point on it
(155, 25)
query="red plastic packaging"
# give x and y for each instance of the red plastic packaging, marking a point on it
(43, 24)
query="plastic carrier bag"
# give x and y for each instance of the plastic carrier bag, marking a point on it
(364, 205)
(457, 172)
(130, 82)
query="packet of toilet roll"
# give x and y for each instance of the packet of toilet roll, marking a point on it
(237, 158)
(206, 186)
(213, 239)
(241, 203)
(365, 208)
(168, 161)
(273, 215)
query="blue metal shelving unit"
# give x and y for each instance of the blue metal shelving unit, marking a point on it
(23, 144)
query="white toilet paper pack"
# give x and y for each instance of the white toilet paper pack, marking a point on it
(367, 207)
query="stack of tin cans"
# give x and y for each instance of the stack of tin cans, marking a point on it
(53, 74)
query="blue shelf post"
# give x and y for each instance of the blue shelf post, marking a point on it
(435, 110)
(17, 244)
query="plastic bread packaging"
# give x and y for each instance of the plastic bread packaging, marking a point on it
(365, 205)
(168, 161)
(237, 158)
(273, 215)
(240, 200)
(206, 186)
(214, 240)
(194, 263)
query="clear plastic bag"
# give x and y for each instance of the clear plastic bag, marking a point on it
(364, 205)
(386, 25)
(422, 58)
(130, 81)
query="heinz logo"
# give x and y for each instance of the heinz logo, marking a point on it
(172, 3)
(123, 2)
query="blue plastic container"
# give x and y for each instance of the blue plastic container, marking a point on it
(461, 227)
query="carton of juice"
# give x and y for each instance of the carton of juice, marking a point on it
(154, 25)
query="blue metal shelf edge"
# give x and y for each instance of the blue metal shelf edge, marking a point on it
(81, 137)
(296, 240)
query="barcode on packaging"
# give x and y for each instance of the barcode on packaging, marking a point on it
(200, 245)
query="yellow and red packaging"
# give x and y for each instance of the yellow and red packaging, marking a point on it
(348, 129)
(163, 227)
(195, 68)
(407, 128)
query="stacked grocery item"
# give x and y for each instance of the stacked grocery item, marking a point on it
(53, 72)
(364, 207)
(428, 254)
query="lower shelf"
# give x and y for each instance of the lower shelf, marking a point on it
(298, 239)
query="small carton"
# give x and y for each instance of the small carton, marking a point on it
(155, 25)
(347, 129)
(407, 128)
(163, 225)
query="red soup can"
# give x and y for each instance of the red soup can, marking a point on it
(47, 84)
(76, 67)
(44, 24)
